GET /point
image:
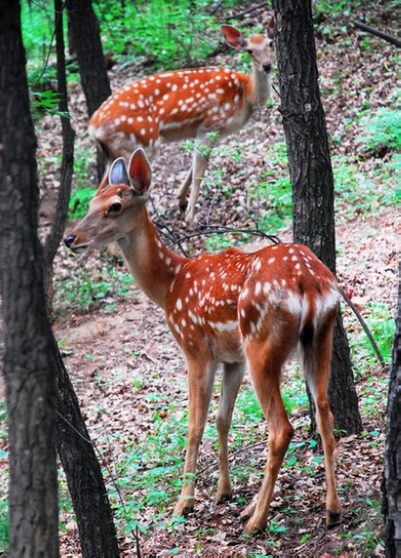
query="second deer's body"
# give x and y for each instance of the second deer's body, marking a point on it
(205, 104)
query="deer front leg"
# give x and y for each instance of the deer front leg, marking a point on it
(231, 382)
(200, 160)
(183, 191)
(200, 380)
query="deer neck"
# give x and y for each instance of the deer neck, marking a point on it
(153, 266)
(259, 88)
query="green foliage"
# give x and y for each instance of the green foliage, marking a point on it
(381, 129)
(170, 35)
(275, 191)
(79, 202)
(81, 290)
(4, 528)
(381, 323)
(363, 192)
(150, 474)
(37, 21)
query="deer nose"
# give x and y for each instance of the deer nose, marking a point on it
(267, 66)
(69, 240)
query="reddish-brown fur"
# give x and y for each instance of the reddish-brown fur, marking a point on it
(236, 309)
(202, 103)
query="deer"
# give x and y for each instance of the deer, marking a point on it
(235, 309)
(204, 104)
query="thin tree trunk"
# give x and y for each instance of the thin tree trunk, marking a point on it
(84, 478)
(391, 484)
(312, 177)
(67, 164)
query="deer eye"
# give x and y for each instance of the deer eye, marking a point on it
(115, 207)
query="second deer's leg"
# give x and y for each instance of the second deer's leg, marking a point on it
(232, 378)
(183, 191)
(200, 380)
(265, 362)
(201, 155)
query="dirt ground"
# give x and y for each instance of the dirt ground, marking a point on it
(125, 337)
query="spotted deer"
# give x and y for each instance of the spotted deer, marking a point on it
(241, 310)
(202, 103)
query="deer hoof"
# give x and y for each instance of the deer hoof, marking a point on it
(221, 498)
(333, 519)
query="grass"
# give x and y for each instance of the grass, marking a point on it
(80, 290)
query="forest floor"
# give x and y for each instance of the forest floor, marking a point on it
(130, 376)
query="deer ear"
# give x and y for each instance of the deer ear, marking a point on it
(139, 171)
(270, 28)
(233, 37)
(118, 173)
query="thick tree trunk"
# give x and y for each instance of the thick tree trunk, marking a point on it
(391, 484)
(95, 81)
(30, 368)
(312, 176)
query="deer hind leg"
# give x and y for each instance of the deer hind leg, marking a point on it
(265, 362)
(232, 377)
(316, 364)
(200, 380)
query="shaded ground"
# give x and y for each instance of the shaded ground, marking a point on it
(124, 338)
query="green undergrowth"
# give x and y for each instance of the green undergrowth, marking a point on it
(81, 289)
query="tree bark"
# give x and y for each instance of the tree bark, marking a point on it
(312, 177)
(67, 164)
(92, 67)
(32, 361)
(84, 478)
(391, 484)
(30, 367)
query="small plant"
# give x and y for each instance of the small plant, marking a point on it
(381, 130)
(4, 528)
(80, 290)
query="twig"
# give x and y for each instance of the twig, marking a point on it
(248, 11)
(378, 33)
(232, 455)
(364, 325)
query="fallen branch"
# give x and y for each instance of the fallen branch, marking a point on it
(378, 33)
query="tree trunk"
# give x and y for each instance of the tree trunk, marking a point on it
(67, 164)
(30, 368)
(391, 484)
(92, 67)
(312, 177)
(84, 478)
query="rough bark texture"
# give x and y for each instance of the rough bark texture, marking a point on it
(312, 176)
(84, 478)
(392, 454)
(30, 369)
(92, 68)
(67, 164)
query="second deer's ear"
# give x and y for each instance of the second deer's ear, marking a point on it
(139, 172)
(270, 28)
(118, 173)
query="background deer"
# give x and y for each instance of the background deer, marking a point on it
(236, 309)
(203, 103)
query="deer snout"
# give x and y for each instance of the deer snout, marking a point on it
(267, 66)
(69, 240)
